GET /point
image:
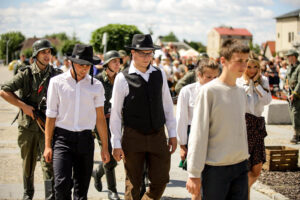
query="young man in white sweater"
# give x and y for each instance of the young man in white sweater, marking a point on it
(218, 149)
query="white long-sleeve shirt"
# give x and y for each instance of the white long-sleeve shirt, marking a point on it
(74, 104)
(184, 110)
(257, 97)
(218, 133)
(121, 90)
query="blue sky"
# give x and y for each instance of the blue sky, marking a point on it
(188, 19)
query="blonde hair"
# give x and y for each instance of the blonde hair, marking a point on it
(254, 59)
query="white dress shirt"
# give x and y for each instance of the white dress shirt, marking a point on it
(184, 110)
(121, 90)
(257, 97)
(74, 104)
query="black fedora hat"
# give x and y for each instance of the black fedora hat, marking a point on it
(142, 42)
(83, 55)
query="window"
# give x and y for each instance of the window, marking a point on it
(278, 35)
(290, 36)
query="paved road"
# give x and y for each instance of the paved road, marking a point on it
(11, 166)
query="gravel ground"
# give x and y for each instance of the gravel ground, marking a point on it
(285, 183)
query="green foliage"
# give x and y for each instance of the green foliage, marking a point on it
(198, 46)
(61, 36)
(14, 44)
(255, 48)
(119, 35)
(67, 47)
(171, 37)
(27, 52)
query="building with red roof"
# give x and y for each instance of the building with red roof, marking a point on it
(219, 34)
(268, 48)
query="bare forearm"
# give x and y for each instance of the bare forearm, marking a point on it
(102, 131)
(101, 126)
(49, 129)
(12, 98)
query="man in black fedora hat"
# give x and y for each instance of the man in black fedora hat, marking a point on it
(141, 99)
(69, 123)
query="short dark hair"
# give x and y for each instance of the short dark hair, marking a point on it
(233, 46)
(206, 63)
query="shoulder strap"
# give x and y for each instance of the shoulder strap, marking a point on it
(30, 80)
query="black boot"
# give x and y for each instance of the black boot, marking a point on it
(112, 185)
(49, 190)
(28, 188)
(97, 175)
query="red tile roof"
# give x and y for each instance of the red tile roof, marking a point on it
(29, 42)
(233, 31)
(271, 45)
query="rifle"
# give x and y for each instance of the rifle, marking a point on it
(38, 112)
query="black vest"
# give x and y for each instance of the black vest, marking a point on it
(143, 106)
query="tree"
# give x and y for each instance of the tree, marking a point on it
(27, 52)
(67, 47)
(119, 35)
(198, 46)
(61, 36)
(171, 37)
(14, 41)
(255, 48)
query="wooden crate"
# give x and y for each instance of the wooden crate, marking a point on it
(281, 158)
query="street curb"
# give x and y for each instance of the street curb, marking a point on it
(265, 189)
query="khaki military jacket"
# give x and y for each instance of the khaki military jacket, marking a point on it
(293, 79)
(31, 89)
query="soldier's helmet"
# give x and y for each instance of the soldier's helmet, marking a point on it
(110, 55)
(40, 45)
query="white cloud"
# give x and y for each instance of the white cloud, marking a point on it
(188, 19)
(293, 2)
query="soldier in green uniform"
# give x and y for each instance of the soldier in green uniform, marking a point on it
(292, 85)
(188, 78)
(112, 67)
(32, 83)
(21, 63)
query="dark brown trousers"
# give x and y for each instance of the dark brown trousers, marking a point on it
(152, 148)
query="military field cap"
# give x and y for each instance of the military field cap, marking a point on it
(292, 52)
(83, 55)
(122, 53)
(142, 42)
(110, 55)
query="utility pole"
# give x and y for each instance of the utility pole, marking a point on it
(104, 41)
(7, 42)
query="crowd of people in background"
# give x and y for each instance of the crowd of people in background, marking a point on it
(176, 67)
(138, 98)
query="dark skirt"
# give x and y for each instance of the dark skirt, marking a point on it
(256, 132)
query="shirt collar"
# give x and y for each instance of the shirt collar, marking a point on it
(69, 76)
(36, 69)
(133, 69)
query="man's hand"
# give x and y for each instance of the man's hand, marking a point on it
(28, 110)
(183, 152)
(193, 185)
(105, 156)
(48, 154)
(118, 154)
(172, 144)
